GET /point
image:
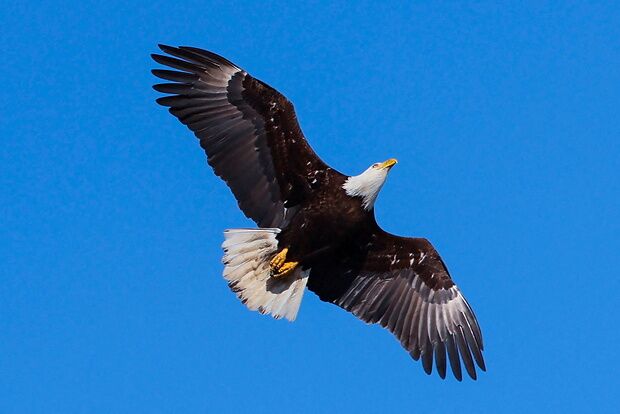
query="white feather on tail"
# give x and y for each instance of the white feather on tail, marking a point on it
(247, 253)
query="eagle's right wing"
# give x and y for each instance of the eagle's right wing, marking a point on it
(248, 130)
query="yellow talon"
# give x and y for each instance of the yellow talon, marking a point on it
(278, 260)
(279, 266)
(285, 269)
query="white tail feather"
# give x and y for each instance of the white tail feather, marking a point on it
(247, 253)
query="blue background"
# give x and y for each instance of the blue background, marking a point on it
(505, 121)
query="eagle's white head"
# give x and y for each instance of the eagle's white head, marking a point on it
(367, 184)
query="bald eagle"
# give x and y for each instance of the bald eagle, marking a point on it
(316, 226)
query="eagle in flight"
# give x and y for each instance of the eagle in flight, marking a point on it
(316, 226)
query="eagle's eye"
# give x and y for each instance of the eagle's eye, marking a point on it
(376, 165)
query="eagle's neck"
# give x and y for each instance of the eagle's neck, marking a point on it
(366, 186)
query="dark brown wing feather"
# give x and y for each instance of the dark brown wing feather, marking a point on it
(402, 284)
(248, 130)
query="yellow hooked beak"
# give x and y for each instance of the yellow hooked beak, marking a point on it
(388, 163)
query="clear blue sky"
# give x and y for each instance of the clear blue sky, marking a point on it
(505, 121)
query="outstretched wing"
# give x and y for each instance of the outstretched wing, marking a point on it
(402, 284)
(248, 130)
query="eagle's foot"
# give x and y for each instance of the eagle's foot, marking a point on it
(278, 260)
(284, 270)
(279, 266)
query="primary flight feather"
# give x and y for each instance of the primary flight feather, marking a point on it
(316, 226)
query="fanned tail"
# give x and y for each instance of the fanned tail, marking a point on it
(247, 253)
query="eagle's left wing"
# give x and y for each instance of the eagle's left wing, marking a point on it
(402, 284)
